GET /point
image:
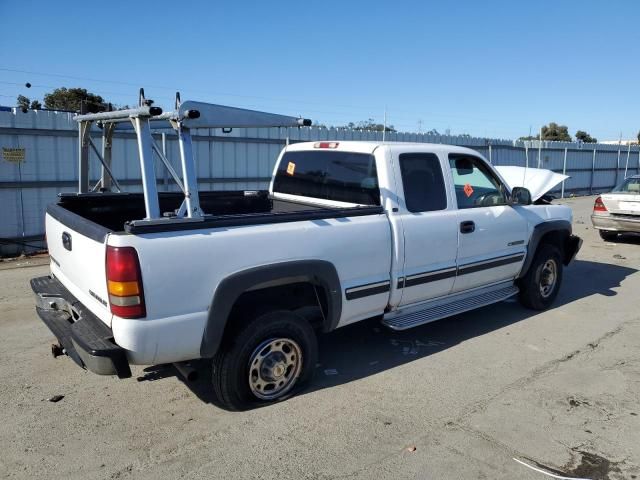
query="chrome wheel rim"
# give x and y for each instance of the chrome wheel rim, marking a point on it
(548, 278)
(274, 368)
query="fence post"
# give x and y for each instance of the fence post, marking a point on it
(564, 171)
(626, 165)
(490, 154)
(593, 171)
(540, 150)
(617, 166)
(526, 156)
(24, 247)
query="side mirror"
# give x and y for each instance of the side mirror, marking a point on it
(520, 196)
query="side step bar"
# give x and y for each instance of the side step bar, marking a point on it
(447, 307)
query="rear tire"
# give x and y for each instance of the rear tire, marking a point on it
(539, 286)
(269, 360)
(608, 235)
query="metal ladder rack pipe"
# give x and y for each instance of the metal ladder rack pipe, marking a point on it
(144, 111)
(186, 116)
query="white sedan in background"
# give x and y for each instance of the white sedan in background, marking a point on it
(618, 211)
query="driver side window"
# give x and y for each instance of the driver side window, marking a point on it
(475, 185)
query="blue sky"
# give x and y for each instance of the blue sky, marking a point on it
(487, 68)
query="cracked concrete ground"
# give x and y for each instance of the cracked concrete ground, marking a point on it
(455, 399)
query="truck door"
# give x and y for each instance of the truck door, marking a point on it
(492, 235)
(428, 223)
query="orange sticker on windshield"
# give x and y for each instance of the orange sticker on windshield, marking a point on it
(468, 190)
(291, 168)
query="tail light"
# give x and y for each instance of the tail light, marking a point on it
(326, 144)
(599, 205)
(124, 283)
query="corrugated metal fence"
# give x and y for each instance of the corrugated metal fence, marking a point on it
(241, 159)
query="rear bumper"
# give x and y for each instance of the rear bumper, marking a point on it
(82, 335)
(626, 223)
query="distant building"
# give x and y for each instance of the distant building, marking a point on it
(621, 142)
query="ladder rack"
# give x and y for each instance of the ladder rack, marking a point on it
(142, 120)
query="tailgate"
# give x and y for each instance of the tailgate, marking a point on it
(77, 249)
(622, 203)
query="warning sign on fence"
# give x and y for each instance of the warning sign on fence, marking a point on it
(13, 155)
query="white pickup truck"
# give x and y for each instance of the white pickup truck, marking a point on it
(406, 232)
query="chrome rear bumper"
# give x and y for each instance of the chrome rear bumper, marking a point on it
(616, 223)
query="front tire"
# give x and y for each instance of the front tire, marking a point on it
(540, 285)
(270, 359)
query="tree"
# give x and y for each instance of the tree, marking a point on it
(585, 137)
(23, 103)
(555, 132)
(638, 136)
(71, 99)
(370, 125)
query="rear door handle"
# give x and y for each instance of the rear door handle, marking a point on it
(467, 226)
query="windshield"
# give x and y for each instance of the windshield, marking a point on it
(630, 185)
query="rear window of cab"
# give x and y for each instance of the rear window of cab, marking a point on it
(329, 175)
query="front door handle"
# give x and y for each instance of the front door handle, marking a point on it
(467, 226)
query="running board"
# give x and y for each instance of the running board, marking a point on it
(447, 307)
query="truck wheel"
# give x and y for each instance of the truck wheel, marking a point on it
(268, 360)
(607, 235)
(539, 287)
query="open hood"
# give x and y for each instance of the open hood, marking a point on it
(537, 180)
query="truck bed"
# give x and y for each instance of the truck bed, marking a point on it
(116, 212)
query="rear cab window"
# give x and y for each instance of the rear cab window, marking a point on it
(474, 182)
(329, 175)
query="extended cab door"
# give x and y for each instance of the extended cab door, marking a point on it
(492, 235)
(426, 223)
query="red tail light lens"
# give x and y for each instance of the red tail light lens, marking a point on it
(599, 205)
(124, 283)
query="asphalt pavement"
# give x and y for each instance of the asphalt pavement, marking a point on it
(461, 398)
